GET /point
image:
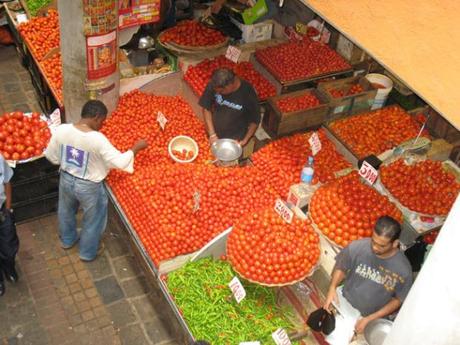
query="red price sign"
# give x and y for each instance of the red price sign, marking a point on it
(233, 53)
(368, 172)
(161, 118)
(315, 143)
(284, 211)
(237, 289)
(280, 337)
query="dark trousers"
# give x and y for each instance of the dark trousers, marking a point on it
(9, 243)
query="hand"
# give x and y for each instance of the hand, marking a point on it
(212, 139)
(243, 142)
(331, 297)
(139, 146)
(361, 324)
(216, 7)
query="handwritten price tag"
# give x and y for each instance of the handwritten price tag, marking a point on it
(233, 53)
(22, 18)
(284, 211)
(55, 118)
(280, 337)
(237, 289)
(161, 118)
(368, 172)
(315, 143)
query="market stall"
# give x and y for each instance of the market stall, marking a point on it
(317, 104)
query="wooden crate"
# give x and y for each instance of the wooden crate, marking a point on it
(351, 104)
(276, 123)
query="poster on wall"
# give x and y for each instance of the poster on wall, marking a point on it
(99, 16)
(137, 12)
(101, 53)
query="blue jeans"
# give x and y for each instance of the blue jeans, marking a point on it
(92, 198)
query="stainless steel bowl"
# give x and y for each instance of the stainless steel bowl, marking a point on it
(377, 330)
(226, 150)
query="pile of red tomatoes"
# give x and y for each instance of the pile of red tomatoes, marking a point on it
(376, 131)
(198, 76)
(425, 187)
(290, 104)
(22, 137)
(347, 209)
(338, 93)
(301, 60)
(52, 67)
(42, 33)
(263, 248)
(281, 161)
(191, 33)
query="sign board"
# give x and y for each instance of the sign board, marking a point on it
(284, 211)
(237, 289)
(161, 118)
(280, 337)
(315, 143)
(233, 53)
(368, 172)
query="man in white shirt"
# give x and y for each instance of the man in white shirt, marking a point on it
(85, 157)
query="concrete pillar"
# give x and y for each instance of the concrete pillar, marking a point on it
(76, 89)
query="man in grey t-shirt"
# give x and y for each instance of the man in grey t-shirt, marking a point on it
(376, 276)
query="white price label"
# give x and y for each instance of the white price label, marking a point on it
(55, 118)
(250, 343)
(161, 118)
(315, 143)
(280, 337)
(237, 289)
(22, 18)
(368, 172)
(284, 211)
(233, 53)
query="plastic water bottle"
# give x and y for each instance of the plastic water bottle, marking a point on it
(307, 173)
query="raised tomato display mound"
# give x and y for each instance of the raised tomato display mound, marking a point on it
(282, 160)
(199, 75)
(347, 209)
(263, 248)
(377, 131)
(301, 60)
(190, 33)
(22, 136)
(424, 187)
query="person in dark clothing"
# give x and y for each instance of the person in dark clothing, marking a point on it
(9, 242)
(230, 108)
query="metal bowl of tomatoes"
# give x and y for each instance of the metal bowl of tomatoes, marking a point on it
(226, 150)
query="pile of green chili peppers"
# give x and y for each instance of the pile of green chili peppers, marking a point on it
(35, 5)
(200, 290)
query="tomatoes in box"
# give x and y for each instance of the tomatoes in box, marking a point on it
(21, 136)
(377, 131)
(301, 60)
(263, 248)
(42, 33)
(424, 187)
(290, 104)
(347, 209)
(198, 76)
(53, 72)
(192, 33)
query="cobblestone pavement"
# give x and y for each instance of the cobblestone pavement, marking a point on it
(59, 299)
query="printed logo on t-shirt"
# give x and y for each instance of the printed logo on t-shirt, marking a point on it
(221, 101)
(75, 161)
(380, 276)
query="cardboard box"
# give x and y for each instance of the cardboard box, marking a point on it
(440, 150)
(349, 51)
(255, 32)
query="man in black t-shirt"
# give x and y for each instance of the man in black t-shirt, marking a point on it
(230, 107)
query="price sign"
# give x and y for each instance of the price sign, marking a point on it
(196, 201)
(233, 53)
(284, 211)
(22, 18)
(55, 118)
(280, 337)
(315, 143)
(368, 172)
(161, 118)
(237, 289)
